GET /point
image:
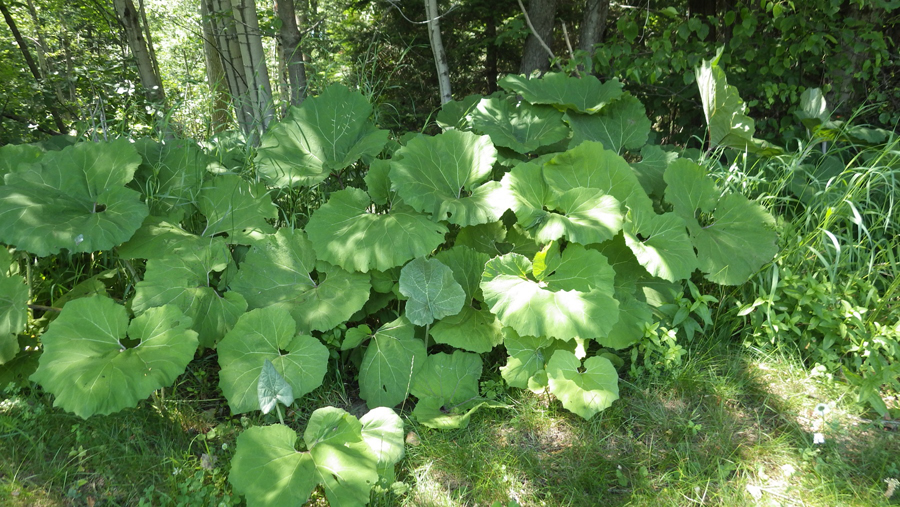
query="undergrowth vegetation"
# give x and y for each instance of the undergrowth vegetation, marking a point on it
(537, 306)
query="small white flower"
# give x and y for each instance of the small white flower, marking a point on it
(818, 438)
(820, 410)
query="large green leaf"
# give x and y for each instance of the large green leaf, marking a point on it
(736, 237)
(467, 266)
(270, 472)
(382, 430)
(90, 370)
(622, 125)
(183, 280)
(652, 166)
(581, 215)
(171, 175)
(280, 270)
(18, 157)
(232, 205)
(432, 291)
(575, 301)
(268, 333)
(392, 357)
(75, 199)
(589, 165)
(584, 95)
(447, 386)
(323, 135)
(661, 244)
(444, 175)
(527, 356)
(519, 126)
(454, 114)
(13, 312)
(584, 390)
(724, 111)
(158, 239)
(345, 233)
(470, 329)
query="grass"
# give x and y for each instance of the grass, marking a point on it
(730, 426)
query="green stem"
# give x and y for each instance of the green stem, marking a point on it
(427, 328)
(278, 411)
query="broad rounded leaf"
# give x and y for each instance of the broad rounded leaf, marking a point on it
(633, 315)
(269, 471)
(343, 232)
(281, 270)
(573, 302)
(527, 356)
(689, 189)
(585, 94)
(739, 240)
(650, 169)
(443, 175)
(75, 199)
(584, 392)
(183, 280)
(268, 333)
(622, 125)
(233, 205)
(589, 165)
(326, 133)
(382, 429)
(447, 386)
(13, 312)
(519, 126)
(87, 367)
(171, 176)
(392, 358)
(158, 239)
(432, 291)
(470, 329)
(661, 245)
(467, 266)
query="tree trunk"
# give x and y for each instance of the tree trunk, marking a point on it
(437, 48)
(222, 24)
(256, 74)
(215, 73)
(292, 53)
(491, 67)
(134, 33)
(149, 39)
(29, 60)
(542, 13)
(593, 25)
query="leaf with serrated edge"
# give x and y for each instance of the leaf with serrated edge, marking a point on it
(432, 291)
(325, 134)
(269, 471)
(90, 372)
(563, 306)
(344, 233)
(268, 333)
(519, 126)
(622, 125)
(444, 176)
(392, 357)
(583, 392)
(272, 388)
(585, 94)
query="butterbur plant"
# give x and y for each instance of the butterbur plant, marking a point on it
(545, 225)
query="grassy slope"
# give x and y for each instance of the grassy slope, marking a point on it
(729, 427)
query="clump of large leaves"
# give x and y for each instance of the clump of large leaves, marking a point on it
(93, 365)
(736, 237)
(268, 333)
(74, 199)
(344, 232)
(343, 454)
(325, 134)
(445, 176)
(280, 270)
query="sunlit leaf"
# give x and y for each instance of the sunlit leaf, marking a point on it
(272, 388)
(470, 329)
(433, 293)
(585, 94)
(661, 244)
(622, 125)
(325, 134)
(232, 205)
(585, 390)
(88, 367)
(519, 126)
(13, 312)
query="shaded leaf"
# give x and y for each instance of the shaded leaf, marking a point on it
(232, 205)
(392, 357)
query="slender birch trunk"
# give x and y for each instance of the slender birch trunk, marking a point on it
(437, 47)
